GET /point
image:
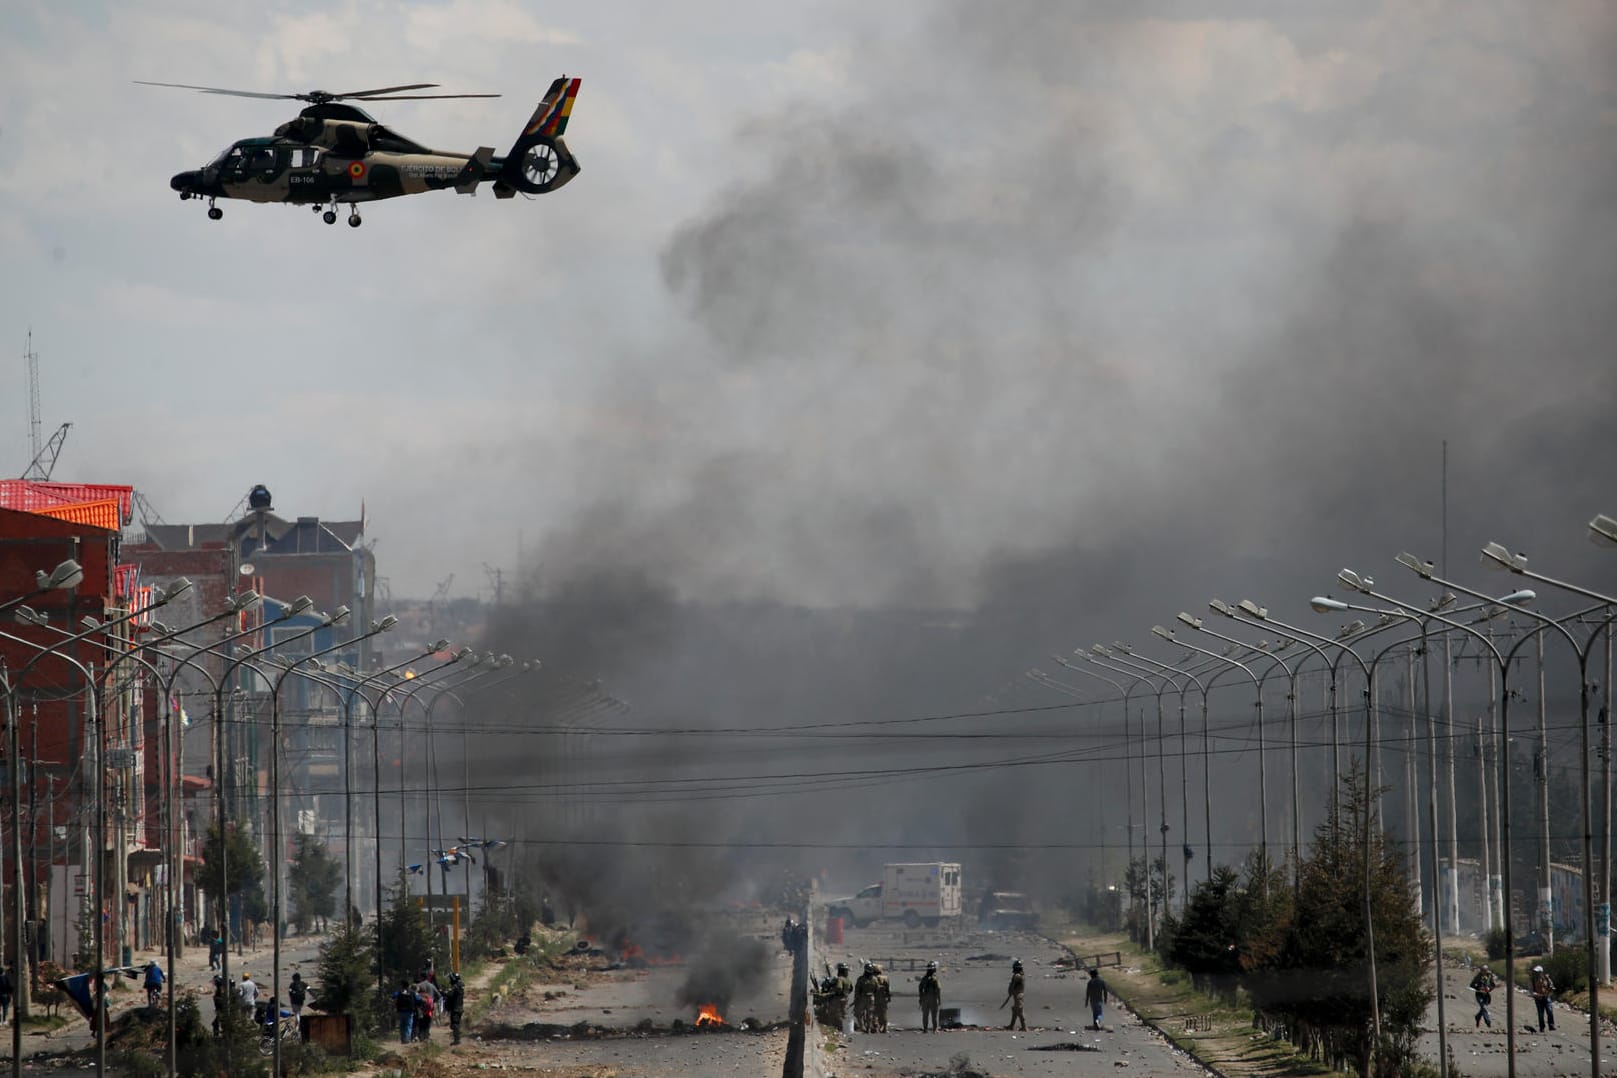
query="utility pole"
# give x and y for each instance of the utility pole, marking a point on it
(1412, 793)
(1546, 919)
(1451, 889)
(1603, 921)
(1488, 920)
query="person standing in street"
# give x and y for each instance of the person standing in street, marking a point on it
(297, 993)
(247, 993)
(1543, 989)
(404, 1004)
(430, 1001)
(931, 998)
(1014, 993)
(1483, 985)
(1095, 996)
(6, 988)
(455, 1004)
(864, 1000)
(883, 996)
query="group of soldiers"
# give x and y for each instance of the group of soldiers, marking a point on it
(870, 994)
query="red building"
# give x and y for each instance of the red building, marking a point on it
(41, 524)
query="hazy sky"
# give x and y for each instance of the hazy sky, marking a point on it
(847, 305)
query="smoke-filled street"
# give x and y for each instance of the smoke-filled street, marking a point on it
(520, 505)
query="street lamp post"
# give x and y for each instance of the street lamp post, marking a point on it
(1263, 785)
(357, 688)
(66, 575)
(1095, 656)
(1364, 585)
(1190, 675)
(376, 794)
(1128, 775)
(93, 723)
(168, 772)
(221, 763)
(1124, 656)
(1494, 554)
(1260, 615)
(337, 617)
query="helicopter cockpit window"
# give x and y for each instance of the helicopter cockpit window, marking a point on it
(305, 157)
(260, 158)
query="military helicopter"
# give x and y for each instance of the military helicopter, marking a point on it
(337, 154)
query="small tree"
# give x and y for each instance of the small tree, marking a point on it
(406, 941)
(1317, 981)
(346, 972)
(313, 879)
(1205, 944)
(232, 865)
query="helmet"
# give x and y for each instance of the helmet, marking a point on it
(842, 968)
(875, 967)
(1016, 966)
(454, 978)
(870, 967)
(1538, 969)
(931, 967)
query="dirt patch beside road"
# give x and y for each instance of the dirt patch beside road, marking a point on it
(1220, 1037)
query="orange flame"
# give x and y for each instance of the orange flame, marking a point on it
(708, 1015)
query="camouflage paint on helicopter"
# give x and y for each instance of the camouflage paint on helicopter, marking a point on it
(334, 154)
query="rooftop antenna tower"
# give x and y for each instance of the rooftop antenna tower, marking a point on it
(35, 445)
(46, 453)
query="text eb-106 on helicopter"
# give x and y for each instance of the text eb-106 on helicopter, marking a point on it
(336, 154)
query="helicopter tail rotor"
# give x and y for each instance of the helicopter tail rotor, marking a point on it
(539, 161)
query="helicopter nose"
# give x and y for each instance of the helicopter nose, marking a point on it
(186, 181)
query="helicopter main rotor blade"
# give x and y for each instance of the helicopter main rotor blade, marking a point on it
(216, 90)
(387, 90)
(423, 97)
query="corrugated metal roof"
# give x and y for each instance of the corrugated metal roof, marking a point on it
(102, 513)
(34, 495)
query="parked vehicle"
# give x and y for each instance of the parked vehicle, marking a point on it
(1007, 910)
(917, 894)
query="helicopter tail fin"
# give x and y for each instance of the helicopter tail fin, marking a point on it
(539, 161)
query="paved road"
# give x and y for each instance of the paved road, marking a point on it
(974, 968)
(1480, 1053)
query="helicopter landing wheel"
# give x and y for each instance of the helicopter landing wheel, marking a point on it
(315, 208)
(214, 213)
(329, 217)
(353, 220)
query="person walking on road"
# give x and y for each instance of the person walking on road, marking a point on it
(1095, 996)
(1483, 985)
(1543, 990)
(931, 998)
(1014, 993)
(247, 993)
(404, 1003)
(429, 1001)
(297, 993)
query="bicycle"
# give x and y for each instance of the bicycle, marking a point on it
(154, 996)
(286, 1029)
